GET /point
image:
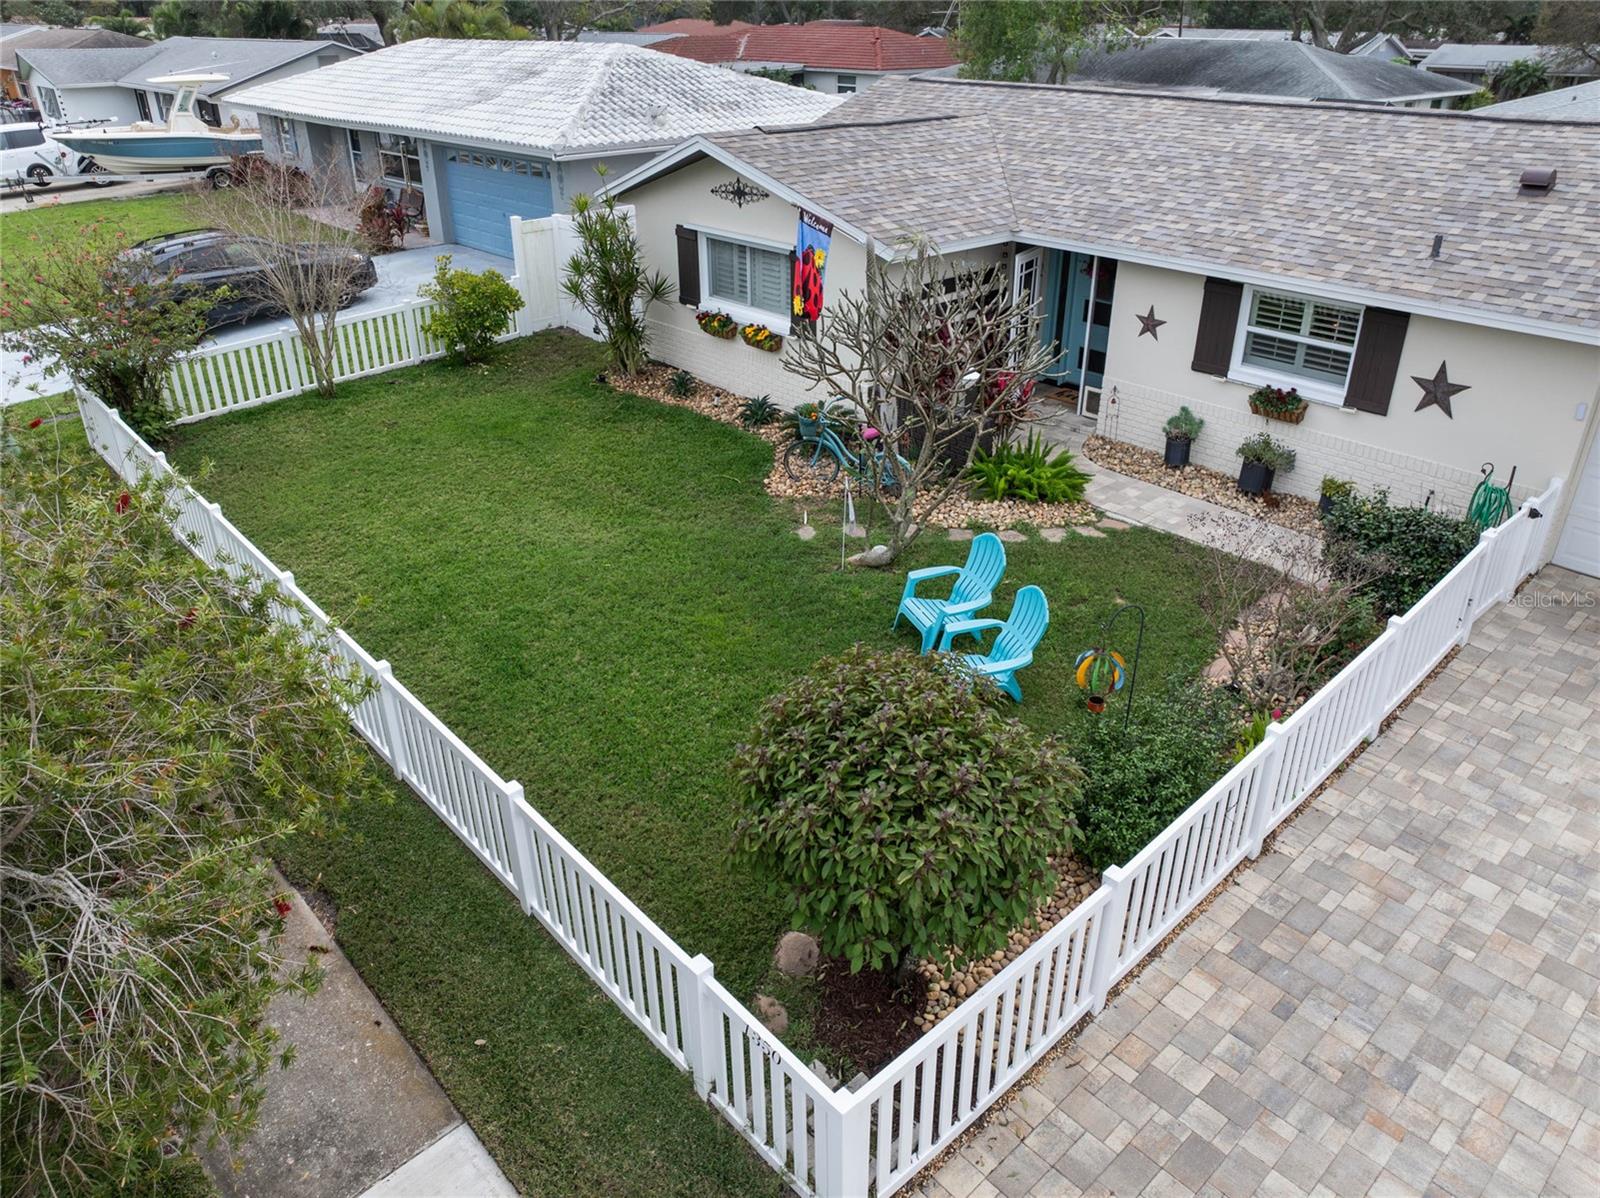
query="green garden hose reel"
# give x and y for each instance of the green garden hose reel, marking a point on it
(1490, 504)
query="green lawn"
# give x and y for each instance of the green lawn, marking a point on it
(24, 233)
(595, 593)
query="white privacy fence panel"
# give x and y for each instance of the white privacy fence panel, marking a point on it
(827, 1143)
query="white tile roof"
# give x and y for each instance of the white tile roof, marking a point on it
(560, 97)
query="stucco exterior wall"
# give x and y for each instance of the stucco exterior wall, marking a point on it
(1529, 404)
(578, 176)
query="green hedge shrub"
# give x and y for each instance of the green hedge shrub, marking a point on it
(1419, 547)
(1028, 472)
(473, 309)
(898, 812)
(1136, 782)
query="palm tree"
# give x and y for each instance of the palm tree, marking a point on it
(481, 19)
(1524, 77)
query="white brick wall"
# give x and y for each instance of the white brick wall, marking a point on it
(1137, 414)
(731, 365)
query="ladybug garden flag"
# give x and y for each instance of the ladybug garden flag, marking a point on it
(811, 260)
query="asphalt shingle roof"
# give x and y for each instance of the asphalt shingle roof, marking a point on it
(817, 44)
(552, 96)
(240, 58)
(1263, 68)
(1579, 103)
(43, 37)
(1463, 56)
(1320, 193)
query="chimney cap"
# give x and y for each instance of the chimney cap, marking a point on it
(1538, 178)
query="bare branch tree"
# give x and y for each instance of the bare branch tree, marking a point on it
(306, 266)
(939, 354)
(1285, 621)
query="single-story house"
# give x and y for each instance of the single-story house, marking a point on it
(1577, 103)
(836, 57)
(1478, 64)
(1385, 45)
(486, 130)
(48, 37)
(114, 84)
(1267, 68)
(1425, 279)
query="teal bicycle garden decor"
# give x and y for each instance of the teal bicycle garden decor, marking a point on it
(818, 452)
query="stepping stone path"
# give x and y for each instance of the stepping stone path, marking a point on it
(1083, 530)
(960, 534)
(806, 531)
(1054, 535)
(1012, 535)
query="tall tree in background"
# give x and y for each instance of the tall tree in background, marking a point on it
(563, 20)
(1023, 40)
(1573, 29)
(470, 19)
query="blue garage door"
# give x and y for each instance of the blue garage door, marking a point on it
(485, 190)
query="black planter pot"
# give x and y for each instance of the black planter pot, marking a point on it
(1325, 504)
(1177, 452)
(1254, 478)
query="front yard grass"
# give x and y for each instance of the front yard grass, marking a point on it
(138, 217)
(594, 592)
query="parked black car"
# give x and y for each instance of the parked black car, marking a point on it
(202, 261)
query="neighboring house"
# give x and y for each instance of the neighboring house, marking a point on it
(1386, 45)
(1267, 68)
(114, 85)
(1578, 103)
(358, 35)
(1185, 251)
(1478, 64)
(836, 57)
(486, 130)
(47, 37)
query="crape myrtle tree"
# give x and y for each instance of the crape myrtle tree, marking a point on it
(937, 353)
(305, 268)
(158, 737)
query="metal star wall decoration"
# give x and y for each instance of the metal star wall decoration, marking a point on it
(1438, 390)
(1149, 324)
(737, 191)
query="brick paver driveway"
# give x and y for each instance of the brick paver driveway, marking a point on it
(1399, 998)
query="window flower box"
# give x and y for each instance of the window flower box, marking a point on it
(1277, 404)
(761, 337)
(717, 324)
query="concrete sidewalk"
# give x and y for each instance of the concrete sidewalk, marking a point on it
(357, 1113)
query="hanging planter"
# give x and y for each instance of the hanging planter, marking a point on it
(717, 324)
(1099, 672)
(1277, 404)
(759, 336)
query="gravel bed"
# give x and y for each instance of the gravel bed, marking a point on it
(945, 994)
(1290, 511)
(654, 382)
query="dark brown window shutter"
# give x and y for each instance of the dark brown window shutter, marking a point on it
(1219, 318)
(1377, 360)
(688, 267)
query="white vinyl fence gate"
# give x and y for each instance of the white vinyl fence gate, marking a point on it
(825, 1142)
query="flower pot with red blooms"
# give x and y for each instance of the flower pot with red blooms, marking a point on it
(1276, 403)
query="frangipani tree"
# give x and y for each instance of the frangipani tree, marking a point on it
(937, 353)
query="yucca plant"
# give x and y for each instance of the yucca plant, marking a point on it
(681, 384)
(757, 411)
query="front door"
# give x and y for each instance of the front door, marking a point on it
(1083, 312)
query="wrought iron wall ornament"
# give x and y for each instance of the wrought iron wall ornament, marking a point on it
(1438, 390)
(1149, 324)
(737, 191)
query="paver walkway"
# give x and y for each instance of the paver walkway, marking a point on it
(1399, 998)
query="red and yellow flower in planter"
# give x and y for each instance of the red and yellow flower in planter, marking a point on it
(1276, 403)
(761, 337)
(717, 324)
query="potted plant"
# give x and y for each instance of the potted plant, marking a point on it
(1275, 403)
(717, 324)
(759, 336)
(1263, 458)
(1332, 489)
(1182, 428)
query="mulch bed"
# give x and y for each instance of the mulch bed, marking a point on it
(961, 511)
(1291, 511)
(867, 1017)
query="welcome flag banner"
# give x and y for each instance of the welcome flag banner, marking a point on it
(810, 261)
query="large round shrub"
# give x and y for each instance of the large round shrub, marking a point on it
(898, 811)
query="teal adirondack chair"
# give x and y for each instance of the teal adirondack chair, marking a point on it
(1020, 634)
(973, 589)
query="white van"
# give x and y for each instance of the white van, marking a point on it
(27, 151)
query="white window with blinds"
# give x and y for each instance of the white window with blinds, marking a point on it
(751, 281)
(1296, 340)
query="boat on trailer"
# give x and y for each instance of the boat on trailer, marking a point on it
(184, 143)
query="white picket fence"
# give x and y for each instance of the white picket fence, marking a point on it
(843, 1144)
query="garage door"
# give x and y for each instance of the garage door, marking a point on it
(1579, 547)
(484, 191)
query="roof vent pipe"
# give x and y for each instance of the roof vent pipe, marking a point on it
(1438, 244)
(1538, 179)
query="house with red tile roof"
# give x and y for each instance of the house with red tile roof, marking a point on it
(836, 57)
